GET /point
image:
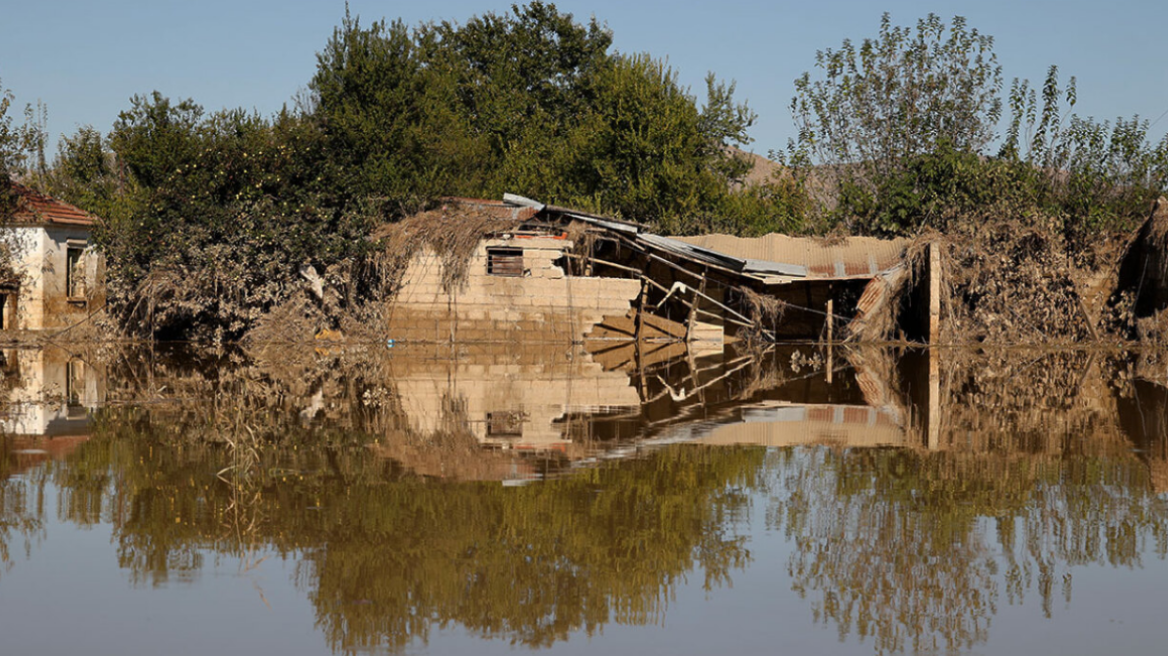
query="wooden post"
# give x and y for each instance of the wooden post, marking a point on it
(933, 426)
(693, 312)
(830, 322)
(642, 301)
(934, 293)
(830, 317)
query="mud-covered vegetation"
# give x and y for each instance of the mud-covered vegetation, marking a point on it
(210, 217)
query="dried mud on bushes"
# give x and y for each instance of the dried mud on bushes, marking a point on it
(1139, 303)
(359, 297)
(1006, 282)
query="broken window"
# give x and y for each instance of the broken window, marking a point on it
(75, 270)
(505, 424)
(502, 261)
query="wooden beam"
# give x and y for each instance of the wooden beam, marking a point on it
(693, 314)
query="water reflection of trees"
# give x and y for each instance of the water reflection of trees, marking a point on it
(22, 507)
(385, 555)
(1029, 477)
(534, 563)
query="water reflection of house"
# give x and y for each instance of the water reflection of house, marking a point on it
(59, 273)
(512, 403)
(49, 393)
(793, 396)
(781, 424)
(47, 396)
(576, 407)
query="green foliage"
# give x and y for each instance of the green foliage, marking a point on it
(778, 205)
(87, 173)
(895, 133)
(524, 84)
(529, 101)
(20, 145)
(219, 212)
(899, 95)
(1094, 175)
(890, 119)
(644, 156)
(386, 117)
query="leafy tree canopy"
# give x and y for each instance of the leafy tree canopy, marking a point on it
(896, 134)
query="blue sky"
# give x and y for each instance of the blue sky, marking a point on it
(86, 58)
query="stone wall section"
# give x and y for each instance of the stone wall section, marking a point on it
(543, 305)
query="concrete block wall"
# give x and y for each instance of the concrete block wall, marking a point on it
(543, 305)
(539, 392)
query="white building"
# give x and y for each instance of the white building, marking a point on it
(60, 277)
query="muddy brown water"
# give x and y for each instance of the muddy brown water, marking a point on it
(486, 500)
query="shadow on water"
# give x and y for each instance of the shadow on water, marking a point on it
(531, 495)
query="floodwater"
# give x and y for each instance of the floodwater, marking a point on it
(469, 500)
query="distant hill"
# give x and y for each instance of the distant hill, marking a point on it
(763, 171)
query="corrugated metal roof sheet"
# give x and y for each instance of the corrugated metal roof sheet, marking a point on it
(773, 258)
(854, 257)
(604, 222)
(36, 208)
(693, 252)
(493, 208)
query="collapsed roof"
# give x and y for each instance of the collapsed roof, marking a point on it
(771, 259)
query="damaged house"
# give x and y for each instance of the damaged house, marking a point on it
(54, 276)
(541, 273)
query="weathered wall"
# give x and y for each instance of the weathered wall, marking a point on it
(43, 301)
(543, 305)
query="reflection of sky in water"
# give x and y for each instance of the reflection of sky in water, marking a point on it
(1028, 527)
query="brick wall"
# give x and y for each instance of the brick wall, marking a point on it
(542, 305)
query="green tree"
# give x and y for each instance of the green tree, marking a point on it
(905, 94)
(523, 85)
(229, 206)
(1094, 175)
(20, 144)
(528, 101)
(894, 135)
(899, 95)
(387, 117)
(88, 173)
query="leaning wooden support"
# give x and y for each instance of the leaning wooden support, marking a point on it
(693, 314)
(595, 260)
(735, 318)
